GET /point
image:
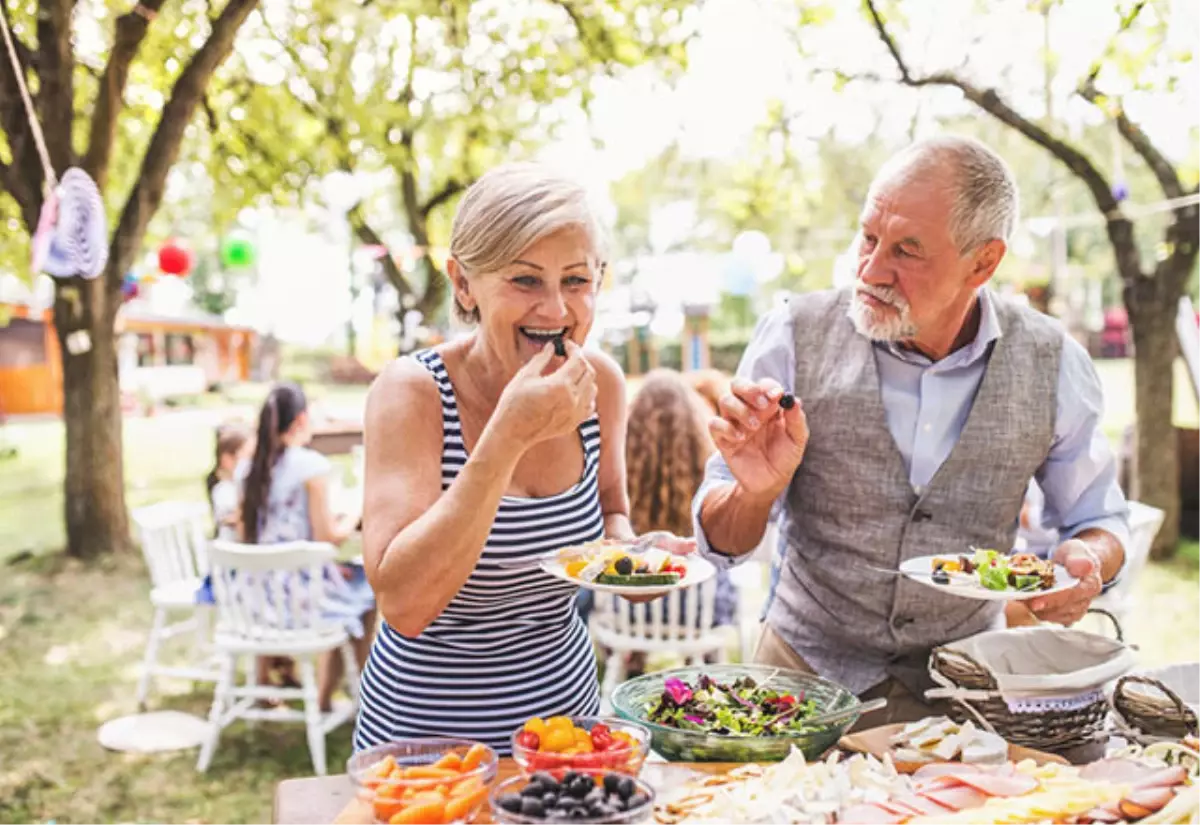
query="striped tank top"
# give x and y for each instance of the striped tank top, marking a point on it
(510, 644)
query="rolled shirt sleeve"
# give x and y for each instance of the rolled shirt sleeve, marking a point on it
(1079, 477)
(770, 354)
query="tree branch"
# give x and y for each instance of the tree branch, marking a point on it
(452, 188)
(24, 53)
(1164, 171)
(1118, 227)
(56, 79)
(1126, 23)
(367, 235)
(164, 145)
(990, 101)
(22, 179)
(130, 31)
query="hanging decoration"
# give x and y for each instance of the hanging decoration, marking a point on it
(72, 235)
(129, 287)
(174, 259)
(1120, 189)
(237, 252)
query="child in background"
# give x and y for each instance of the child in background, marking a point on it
(234, 446)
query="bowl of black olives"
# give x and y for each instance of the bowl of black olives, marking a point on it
(576, 797)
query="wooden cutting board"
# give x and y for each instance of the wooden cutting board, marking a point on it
(662, 776)
(877, 742)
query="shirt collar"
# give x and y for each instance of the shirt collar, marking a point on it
(989, 331)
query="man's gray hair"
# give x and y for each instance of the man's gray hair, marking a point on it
(985, 205)
(512, 207)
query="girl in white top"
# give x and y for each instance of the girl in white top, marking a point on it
(285, 497)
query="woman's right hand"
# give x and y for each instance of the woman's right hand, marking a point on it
(540, 403)
(761, 442)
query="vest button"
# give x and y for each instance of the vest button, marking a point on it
(900, 622)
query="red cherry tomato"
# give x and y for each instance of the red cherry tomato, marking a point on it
(529, 740)
(602, 738)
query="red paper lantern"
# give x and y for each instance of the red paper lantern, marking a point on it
(174, 259)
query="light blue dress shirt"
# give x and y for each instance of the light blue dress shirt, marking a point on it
(927, 403)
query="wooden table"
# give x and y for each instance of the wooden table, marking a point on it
(330, 799)
(336, 437)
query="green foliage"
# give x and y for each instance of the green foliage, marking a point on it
(418, 98)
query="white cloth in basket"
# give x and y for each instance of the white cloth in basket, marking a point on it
(1041, 668)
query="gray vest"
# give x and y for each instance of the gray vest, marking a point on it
(850, 505)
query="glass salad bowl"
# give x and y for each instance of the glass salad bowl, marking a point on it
(633, 699)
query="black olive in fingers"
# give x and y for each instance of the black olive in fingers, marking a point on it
(787, 401)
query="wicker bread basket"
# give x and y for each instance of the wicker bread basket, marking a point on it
(1146, 710)
(978, 700)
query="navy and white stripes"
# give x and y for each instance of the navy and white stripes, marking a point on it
(510, 645)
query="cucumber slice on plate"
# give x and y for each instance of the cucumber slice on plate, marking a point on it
(638, 579)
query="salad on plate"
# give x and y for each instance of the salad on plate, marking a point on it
(992, 570)
(739, 708)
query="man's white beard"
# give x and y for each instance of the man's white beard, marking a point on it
(893, 324)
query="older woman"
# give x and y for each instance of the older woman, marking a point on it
(486, 451)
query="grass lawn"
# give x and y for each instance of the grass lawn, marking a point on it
(71, 636)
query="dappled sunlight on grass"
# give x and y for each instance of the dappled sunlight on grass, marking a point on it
(53, 766)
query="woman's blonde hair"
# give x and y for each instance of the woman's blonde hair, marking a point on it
(511, 208)
(666, 447)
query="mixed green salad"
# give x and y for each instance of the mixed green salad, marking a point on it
(740, 708)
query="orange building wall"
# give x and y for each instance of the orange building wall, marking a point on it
(34, 389)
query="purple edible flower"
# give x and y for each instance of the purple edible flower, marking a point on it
(679, 692)
(695, 720)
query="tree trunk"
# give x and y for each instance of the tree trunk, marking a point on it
(1155, 348)
(94, 488)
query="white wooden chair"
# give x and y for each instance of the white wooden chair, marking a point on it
(269, 602)
(622, 628)
(174, 539)
(1144, 524)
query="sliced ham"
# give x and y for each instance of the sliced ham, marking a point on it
(936, 769)
(1163, 777)
(869, 815)
(1128, 772)
(998, 784)
(922, 805)
(956, 797)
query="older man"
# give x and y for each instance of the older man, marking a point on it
(926, 405)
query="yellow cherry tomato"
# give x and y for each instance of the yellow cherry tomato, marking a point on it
(560, 722)
(536, 725)
(557, 740)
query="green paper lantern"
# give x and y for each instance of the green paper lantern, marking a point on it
(237, 252)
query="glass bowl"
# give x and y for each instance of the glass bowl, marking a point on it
(627, 761)
(462, 791)
(643, 812)
(631, 700)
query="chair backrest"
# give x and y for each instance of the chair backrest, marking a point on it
(680, 616)
(1144, 524)
(272, 591)
(174, 537)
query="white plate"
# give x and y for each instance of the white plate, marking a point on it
(698, 570)
(919, 570)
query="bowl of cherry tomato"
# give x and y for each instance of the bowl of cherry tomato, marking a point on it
(588, 744)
